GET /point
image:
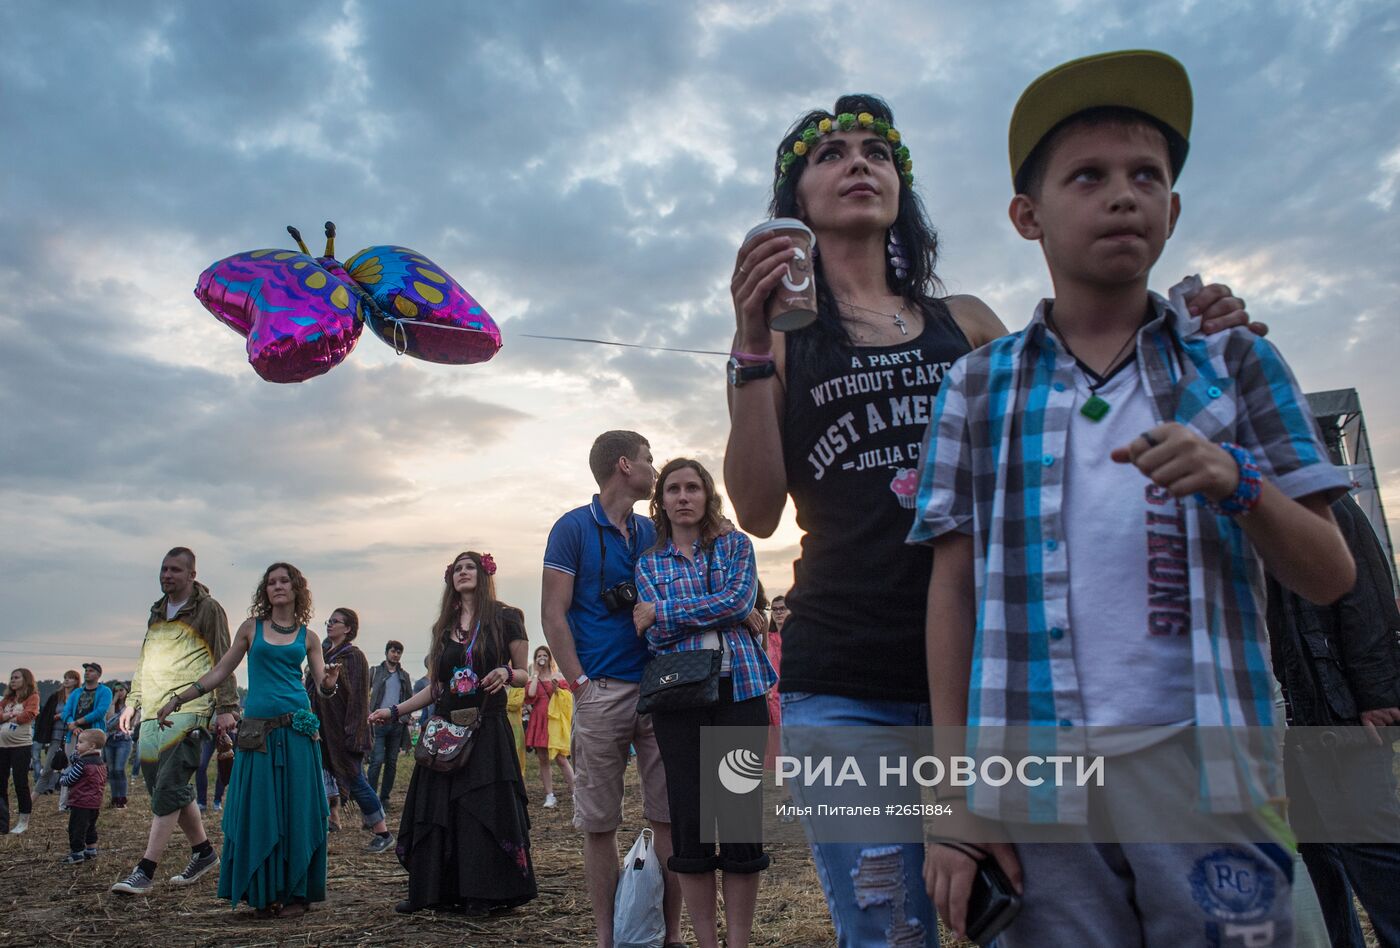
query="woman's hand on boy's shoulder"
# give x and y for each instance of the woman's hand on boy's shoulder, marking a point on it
(1220, 310)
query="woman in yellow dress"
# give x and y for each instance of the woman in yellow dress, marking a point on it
(515, 706)
(561, 725)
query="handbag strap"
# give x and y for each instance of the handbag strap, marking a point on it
(709, 553)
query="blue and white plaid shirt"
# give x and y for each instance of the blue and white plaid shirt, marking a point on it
(687, 606)
(994, 467)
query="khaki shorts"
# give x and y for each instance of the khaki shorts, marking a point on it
(169, 758)
(606, 723)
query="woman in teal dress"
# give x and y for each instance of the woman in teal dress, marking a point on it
(275, 811)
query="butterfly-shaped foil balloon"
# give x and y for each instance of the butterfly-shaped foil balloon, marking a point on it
(302, 314)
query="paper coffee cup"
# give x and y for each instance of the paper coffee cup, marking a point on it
(793, 304)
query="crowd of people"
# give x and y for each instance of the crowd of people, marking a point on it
(978, 511)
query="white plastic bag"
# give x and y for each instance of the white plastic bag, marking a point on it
(638, 921)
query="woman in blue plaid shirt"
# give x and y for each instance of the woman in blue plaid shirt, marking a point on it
(695, 590)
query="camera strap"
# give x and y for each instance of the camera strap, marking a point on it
(602, 558)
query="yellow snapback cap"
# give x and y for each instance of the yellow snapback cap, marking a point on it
(1143, 80)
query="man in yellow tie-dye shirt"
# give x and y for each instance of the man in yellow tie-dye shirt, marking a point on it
(186, 635)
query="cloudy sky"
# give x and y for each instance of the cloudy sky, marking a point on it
(582, 169)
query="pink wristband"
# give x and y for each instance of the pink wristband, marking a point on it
(752, 356)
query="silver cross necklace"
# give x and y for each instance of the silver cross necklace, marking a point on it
(897, 316)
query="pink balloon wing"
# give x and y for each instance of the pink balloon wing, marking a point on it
(300, 320)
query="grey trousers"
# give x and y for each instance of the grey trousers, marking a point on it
(1233, 891)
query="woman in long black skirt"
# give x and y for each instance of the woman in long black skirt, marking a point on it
(465, 836)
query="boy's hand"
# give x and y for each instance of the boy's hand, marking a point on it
(948, 872)
(1377, 718)
(1220, 309)
(1175, 457)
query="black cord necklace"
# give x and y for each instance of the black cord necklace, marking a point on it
(1096, 407)
(285, 630)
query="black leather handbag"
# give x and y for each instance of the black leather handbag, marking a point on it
(680, 681)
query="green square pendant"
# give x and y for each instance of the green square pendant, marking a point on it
(1095, 408)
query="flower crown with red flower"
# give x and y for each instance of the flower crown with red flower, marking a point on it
(488, 566)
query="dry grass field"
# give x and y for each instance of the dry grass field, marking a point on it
(45, 903)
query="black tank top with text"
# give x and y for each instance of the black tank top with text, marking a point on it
(851, 444)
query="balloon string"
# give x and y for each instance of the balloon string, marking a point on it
(530, 335)
(628, 345)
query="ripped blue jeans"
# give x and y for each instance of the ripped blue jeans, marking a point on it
(875, 892)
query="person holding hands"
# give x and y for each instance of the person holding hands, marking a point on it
(186, 636)
(275, 812)
(465, 833)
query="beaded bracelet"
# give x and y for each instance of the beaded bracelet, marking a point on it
(1246, 493)
(394, 713)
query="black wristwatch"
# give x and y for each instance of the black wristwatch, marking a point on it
(740, 374)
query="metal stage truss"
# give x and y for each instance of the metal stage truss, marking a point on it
(1343, 424)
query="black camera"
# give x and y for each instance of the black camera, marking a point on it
(619, 597)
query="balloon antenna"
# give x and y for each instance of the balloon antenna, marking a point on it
(296, 235)
(330, 238)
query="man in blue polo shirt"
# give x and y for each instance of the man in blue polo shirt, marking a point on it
(587, 600)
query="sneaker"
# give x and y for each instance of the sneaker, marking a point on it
(550, 801)
(72, 859)
(138, 883)
(218, 807)
(90, 853)
(197, 867)
(20, 826)
(380, 843)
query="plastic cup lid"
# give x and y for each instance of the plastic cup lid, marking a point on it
(781, 223)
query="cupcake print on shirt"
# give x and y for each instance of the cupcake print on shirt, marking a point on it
(905, 486)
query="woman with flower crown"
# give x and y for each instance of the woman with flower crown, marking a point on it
(275, 812)
(834, 414)
(465, 835)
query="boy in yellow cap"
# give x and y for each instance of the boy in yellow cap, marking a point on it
(1102, 491)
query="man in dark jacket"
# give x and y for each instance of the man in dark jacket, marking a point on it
(389, 686)
(1339, 666)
